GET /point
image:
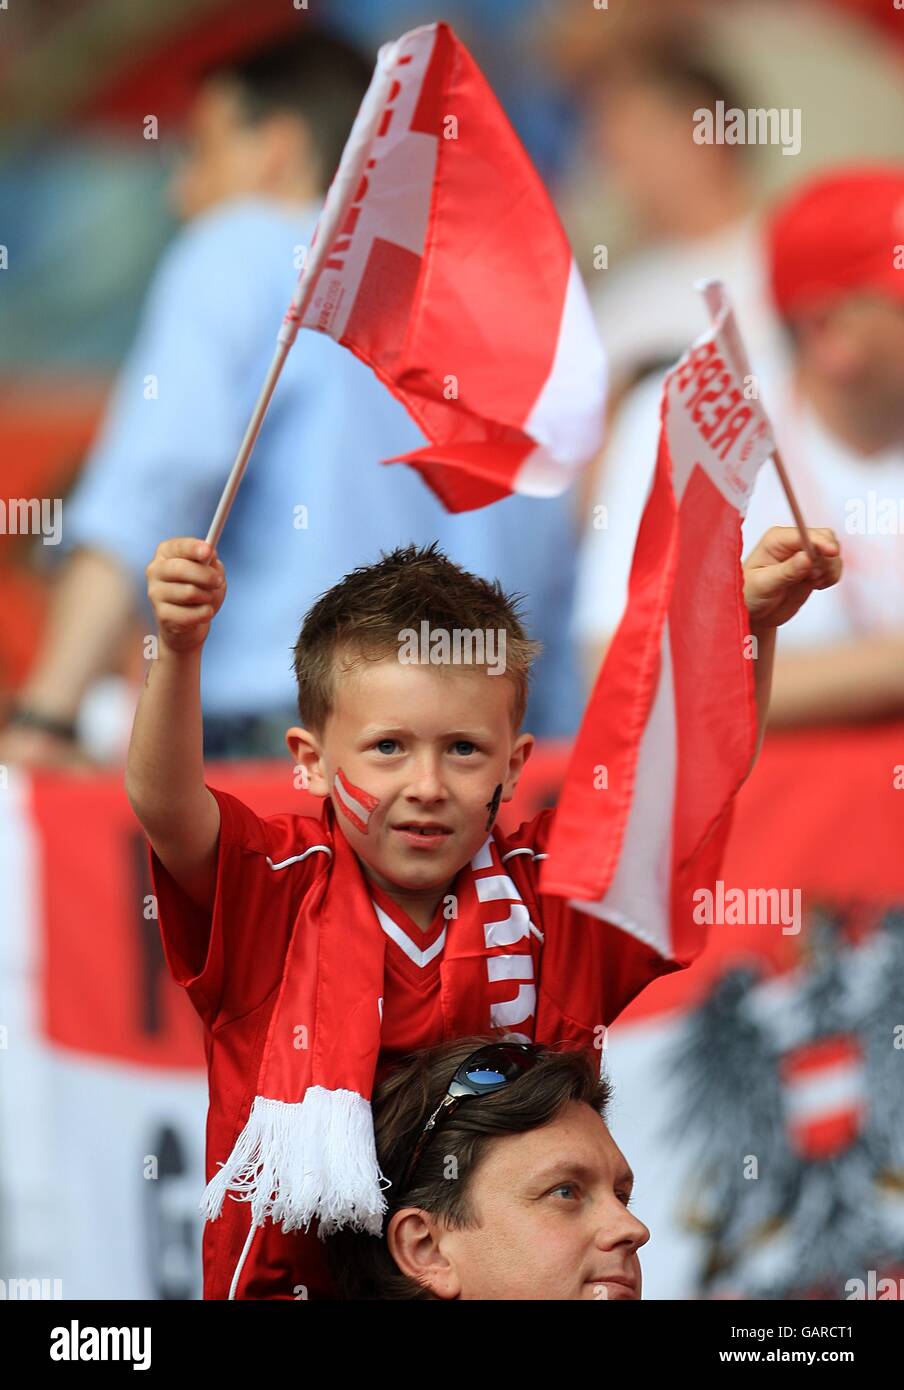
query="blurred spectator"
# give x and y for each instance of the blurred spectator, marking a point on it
(836, 254)
(692, 204)
(266, 134)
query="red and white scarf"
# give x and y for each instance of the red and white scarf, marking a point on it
(307, 1151)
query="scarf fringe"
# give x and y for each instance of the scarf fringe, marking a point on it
(300, 1161)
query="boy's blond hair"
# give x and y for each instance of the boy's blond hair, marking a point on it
(364, 616)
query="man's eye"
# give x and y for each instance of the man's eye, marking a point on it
(381, 744)
(567, 1187)
(624, 1197)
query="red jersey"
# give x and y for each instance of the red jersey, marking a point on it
(577, 972)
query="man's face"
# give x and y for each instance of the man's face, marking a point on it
(552, 1220)
(855, 349)
(429, 745)
(643, 137)
(225, 156)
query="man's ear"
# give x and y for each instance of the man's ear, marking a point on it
(413, 1238)
(308, 760)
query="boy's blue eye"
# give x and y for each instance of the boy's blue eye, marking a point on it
(463, 746)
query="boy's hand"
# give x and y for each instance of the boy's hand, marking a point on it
(186, 585)
(779, 575)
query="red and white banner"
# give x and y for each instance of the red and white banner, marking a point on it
(670, 729)
(439, 260)
(102, 1093)
(758, 1092)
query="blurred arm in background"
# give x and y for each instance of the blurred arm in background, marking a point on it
(856, 680)
(91, 610)
(156, 468)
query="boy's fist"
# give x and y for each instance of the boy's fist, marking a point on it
(186, 585)
(779, 575)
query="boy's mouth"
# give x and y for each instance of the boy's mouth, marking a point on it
(422, 832)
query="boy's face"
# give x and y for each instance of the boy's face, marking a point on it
(414, 745)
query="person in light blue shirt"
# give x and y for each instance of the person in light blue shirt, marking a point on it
(315, 501)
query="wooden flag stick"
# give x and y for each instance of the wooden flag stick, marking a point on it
(795, 508)
(340, 195)
(241, 461)
(286, 336)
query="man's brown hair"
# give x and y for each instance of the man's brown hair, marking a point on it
(317, 75)
(363, 616)
(361, 1264)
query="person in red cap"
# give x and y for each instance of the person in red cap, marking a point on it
(836, 256)
(836, 253)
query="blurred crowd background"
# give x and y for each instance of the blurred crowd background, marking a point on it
(94, 215)
(161, 164)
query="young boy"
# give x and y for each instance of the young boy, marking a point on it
(320, 952)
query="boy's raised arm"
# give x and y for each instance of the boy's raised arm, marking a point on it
(164, 777)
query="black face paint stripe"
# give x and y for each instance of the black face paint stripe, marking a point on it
(493, 807)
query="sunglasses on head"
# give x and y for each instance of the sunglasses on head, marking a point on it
(487, 1070)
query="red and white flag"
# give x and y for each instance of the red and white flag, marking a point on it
(670, 730)
(439, 260)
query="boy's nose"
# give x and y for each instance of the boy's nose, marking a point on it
(426, 783)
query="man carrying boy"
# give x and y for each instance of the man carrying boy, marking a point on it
(506, 1182)
(319, 953)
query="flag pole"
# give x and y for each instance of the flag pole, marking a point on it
(228, 494)
(715, 295)
(795, 507)
(332, 223)
(284, 339)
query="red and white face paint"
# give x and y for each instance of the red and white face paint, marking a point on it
(354, 802)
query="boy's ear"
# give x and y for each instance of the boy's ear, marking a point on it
(521, 751)
(308, 760)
